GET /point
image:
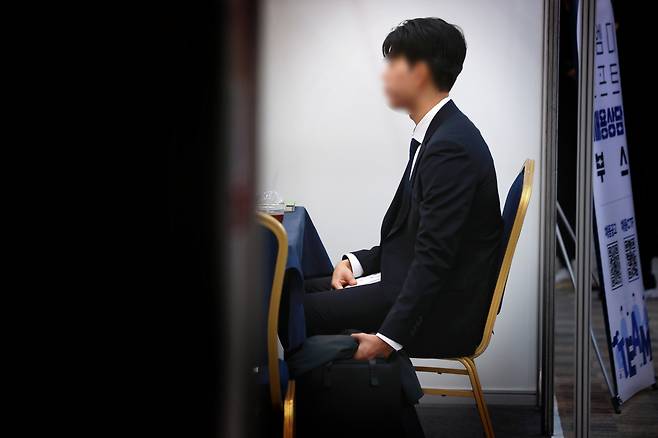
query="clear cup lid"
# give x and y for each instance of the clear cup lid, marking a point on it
(271, 202)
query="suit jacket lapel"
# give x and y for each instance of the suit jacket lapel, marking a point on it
(400, 218)
(440, 116)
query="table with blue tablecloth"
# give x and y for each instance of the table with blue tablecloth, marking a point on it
(307, 258)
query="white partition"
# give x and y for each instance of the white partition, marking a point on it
(329, 142)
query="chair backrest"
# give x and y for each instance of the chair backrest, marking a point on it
(274, 271)
(516, 205)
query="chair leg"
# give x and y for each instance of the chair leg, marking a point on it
(289, 411)
(479, 396)
(484, 404)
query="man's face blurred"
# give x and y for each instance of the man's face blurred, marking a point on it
(401, 82)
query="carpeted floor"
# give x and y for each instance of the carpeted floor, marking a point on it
(639, 417)
(462, 421)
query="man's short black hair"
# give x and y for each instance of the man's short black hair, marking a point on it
(433, 40)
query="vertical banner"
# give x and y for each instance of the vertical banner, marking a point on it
(617, 244)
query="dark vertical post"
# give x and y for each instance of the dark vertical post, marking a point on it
(584, 218)
(241, 308)
(548, 212)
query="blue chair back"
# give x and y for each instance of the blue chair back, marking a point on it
(514, 210)
(510, 211)
(272, 370)
(269, 246)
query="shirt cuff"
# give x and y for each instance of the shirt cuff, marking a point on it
(391, 342)
(357, 269)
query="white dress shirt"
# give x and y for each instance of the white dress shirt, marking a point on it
(419, 135)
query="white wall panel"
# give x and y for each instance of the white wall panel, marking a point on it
(329, 142)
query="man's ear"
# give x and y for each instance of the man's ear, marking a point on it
(422, 72)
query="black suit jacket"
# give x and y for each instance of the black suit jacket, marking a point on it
(439, 249)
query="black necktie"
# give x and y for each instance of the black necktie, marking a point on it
(413, 147)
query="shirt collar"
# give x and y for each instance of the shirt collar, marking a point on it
(421, 128)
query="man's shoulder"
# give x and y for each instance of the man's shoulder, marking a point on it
(458, 132)
(456, 128)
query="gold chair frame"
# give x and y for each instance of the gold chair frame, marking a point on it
(287, 405)
(468, 362)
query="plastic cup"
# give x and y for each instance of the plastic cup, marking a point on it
(275, 210)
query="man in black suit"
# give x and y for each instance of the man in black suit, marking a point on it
(439, 249)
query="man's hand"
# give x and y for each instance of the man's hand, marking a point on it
(343, 275)
(370, 347)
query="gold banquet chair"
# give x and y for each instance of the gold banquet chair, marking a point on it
(287, 404)
(514, 212)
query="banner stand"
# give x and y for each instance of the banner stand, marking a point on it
(615, 236)
(614, 397)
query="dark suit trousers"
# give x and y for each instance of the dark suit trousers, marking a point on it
(331, 311)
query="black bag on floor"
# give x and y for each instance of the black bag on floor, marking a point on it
(350, 398)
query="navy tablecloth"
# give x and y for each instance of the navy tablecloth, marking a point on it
(307, 258)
